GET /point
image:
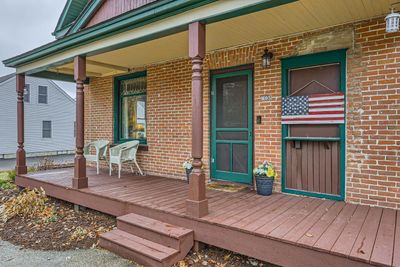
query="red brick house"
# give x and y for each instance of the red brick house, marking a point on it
(188, 78)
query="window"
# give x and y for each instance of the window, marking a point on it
(42, 98)
(27, 93)
(130, 112)
(46, 129)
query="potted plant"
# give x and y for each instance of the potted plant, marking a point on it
(264, 175)
(188, 167)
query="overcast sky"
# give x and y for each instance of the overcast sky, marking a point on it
(27, 24)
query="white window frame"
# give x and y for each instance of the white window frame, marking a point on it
(51, 129)
(47, 94)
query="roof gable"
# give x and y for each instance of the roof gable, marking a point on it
(70, 13)
(98, 11)
(6, 77)
(113, 8)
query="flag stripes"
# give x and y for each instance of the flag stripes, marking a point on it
(313, 109)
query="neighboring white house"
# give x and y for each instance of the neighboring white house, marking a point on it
(49, 118)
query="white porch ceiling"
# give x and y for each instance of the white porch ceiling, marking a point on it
(296, 17)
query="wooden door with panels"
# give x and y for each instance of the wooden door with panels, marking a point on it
(313, 108)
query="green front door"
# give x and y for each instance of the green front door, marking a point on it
(232, 126)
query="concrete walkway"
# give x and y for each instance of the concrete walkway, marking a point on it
(14, 256)
(9, 164)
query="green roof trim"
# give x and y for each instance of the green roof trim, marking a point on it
(86, 15)
(131, 20)
(71, 11)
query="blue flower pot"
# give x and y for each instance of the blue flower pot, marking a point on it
(264, 185)
(188, 172)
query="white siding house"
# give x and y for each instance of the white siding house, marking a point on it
(49, 118)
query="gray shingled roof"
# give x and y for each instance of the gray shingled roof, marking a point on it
(6, 77)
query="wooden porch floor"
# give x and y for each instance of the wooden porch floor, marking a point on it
(282, 229)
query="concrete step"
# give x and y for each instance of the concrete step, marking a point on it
(169, 235)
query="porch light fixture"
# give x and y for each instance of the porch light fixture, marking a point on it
(392, 22)
(267, 58)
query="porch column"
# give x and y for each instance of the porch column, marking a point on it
(20, 166)
(197, 203)
(80, 179)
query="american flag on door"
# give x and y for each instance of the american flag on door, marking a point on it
(313, 109)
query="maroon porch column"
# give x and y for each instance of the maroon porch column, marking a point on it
(80, 179)
(197, 203)
(20, 167)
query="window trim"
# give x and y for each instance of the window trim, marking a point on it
(47, 94)
(28, 88)
(117, 107)
(51, 129)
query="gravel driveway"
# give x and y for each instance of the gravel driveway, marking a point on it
(13, 256)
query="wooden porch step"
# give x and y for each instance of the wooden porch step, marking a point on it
(147, 241)
(138, 249)
(156, 231)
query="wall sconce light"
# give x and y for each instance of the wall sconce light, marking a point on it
(392, 22)
(267, 58)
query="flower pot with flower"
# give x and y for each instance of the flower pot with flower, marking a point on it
(188, 167)
(264, 175)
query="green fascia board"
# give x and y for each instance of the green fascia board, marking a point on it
(86, 15)
(56, 76)
(131, 20)
(120, 24)
(62, 32)
(61, 20)
(329, 57)
(70, 12)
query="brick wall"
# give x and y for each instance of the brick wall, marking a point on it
(373, 107)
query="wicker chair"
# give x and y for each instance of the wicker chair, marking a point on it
(123, 153)
(101, 147)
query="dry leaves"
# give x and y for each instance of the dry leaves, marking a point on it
(26, 204)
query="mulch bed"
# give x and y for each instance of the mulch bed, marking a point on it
(216, 257)
(65, 230)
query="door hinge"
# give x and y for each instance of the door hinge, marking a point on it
(212, 160)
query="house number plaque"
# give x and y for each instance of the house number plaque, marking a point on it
(266, 98)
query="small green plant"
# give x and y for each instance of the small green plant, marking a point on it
(32, 169)
(11, 174)
(6, 181)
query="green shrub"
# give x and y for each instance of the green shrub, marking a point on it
(12, 174)
(5, 181)
(32, 169)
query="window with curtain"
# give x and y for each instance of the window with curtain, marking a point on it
(132, 107)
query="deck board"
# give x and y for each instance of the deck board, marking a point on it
(354, 233)
(331, 234)
(365, 241)
(345, 242)
(314, 233)
(396, 255)
(302, 227)
(383, 247)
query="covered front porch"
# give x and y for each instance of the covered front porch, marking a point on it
(282, 229)
(179, 50)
